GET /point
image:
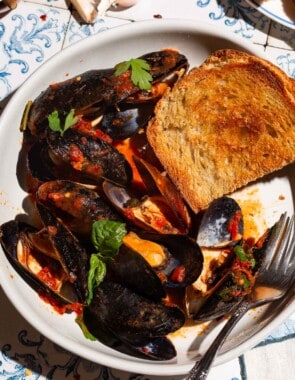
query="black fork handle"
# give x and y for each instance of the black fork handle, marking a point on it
(201, 369)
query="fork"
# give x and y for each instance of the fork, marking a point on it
(275, 277)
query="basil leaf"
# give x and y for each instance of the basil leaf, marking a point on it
(96, 275)
(83, 327)
(107, 237)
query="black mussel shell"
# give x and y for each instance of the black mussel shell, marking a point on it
(93, 158)
(131, 270)
(9, 238)
(125, 122)
(39, 163)
(78, 206)
(222, 223)
(131, 316)
(66, 95)
(183, 254)
(71, 254)
(219, 303)
(158, 348)
(165, 63)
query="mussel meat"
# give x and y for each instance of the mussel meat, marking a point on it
(41, 271)
(237, 279)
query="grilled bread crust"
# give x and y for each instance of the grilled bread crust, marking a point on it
(225, 124)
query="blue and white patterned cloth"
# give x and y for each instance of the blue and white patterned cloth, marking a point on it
(29, 36)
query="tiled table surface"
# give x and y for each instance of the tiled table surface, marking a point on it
(31, 34)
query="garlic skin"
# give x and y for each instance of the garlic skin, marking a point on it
(126, 3)
(105, 5)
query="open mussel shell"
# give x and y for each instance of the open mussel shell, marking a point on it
(77, 205)
(165, 63)
(139, 212)
(157, 182)
(15, 241)
(126, 120)
(222, 224)
(149, 213)
(142, 321)
(71, 254)
(184, 259)
(219, 303)
(222, 300)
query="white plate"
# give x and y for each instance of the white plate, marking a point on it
(197, 41)
(281, 11)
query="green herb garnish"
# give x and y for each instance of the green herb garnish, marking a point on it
(107, 237)
(246, 283)
(83, 327)
(244, 256)
(56, 125)
(227, 293)
(139, 72)
(241, 254)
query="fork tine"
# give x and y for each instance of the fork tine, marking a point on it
(290, 250)
(274, 240)
(280, 258)
(285, 253)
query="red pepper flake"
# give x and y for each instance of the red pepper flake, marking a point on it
(178, 275)
(47, 278)
(103, 136)
(43, 17)
(76, 157)
(129, 213)
(52, 230)
(233, 225)
(84, 126)
(158, 16)
(160, 222)
(236, 293)
(60, 309)
(76, 307)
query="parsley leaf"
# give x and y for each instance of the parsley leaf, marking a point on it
(55, 123)
(139, 72)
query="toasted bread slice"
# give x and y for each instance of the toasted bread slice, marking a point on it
(225, 124)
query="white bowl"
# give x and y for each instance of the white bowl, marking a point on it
(196, 41)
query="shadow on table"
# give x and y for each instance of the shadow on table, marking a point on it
(241, 10)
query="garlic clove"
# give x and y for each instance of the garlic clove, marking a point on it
(86, 9)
